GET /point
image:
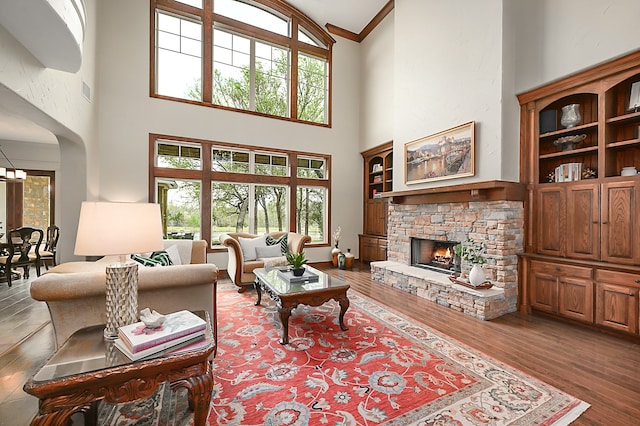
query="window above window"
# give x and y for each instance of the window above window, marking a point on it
(178, 155)
(256, 56)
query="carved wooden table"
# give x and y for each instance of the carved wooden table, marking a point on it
(288, 296)
(87, 369)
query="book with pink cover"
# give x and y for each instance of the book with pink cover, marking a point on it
(138, 337)
(172, 346)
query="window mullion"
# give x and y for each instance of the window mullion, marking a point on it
(207, 52)
(252, 75)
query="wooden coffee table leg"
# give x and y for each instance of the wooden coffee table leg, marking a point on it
(285, 313)
(259, 291)
(344, 305)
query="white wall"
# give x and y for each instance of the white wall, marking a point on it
(561, 37)
(128, 115)
(53, 99)
(448, 66)
(377, 89)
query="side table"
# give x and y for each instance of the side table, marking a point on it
(87, 369)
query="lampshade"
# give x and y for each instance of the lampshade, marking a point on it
(107, 228)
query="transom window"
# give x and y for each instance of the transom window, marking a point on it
(247, 55)
(246, 189)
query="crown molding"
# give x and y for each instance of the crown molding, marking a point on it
(349, 35)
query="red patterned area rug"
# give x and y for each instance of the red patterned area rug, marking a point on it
(385, 370)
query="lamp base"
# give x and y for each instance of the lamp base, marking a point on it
(122, 297)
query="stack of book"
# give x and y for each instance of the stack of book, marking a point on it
(568, 172)
(179, 329)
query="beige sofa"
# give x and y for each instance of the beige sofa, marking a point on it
(75, 291)
(241, 271)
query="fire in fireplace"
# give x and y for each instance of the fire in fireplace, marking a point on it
(433, 254)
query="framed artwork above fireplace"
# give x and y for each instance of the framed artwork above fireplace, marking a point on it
(445, 155)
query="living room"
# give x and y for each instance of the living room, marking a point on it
(407, 79)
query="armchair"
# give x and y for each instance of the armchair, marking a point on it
(240, 270)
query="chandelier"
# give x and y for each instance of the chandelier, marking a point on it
(11, 174)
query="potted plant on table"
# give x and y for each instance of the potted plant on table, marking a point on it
(297, 261)
(473, 252)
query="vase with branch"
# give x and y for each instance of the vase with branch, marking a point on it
(335, 251)
(472, 252)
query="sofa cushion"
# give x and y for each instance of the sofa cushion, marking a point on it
(248, 246)
(268, 251)
(282, 242)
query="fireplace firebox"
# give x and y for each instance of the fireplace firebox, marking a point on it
(437, 255)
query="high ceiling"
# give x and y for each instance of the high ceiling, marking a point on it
(15, 123)
(352, 15)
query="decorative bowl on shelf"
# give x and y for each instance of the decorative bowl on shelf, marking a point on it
(568, 143)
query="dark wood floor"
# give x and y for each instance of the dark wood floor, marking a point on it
(600, 369)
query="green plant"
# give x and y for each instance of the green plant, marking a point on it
(472, 251)
(296, 259)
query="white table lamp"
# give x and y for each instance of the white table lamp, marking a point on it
(108, 228)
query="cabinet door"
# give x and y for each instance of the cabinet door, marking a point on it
(543, 289)
(620, 227)
(376, 217)
(550, 214)
(368, 248)
(575, 298)
(617, 307)
(583, 221)
(381, 253)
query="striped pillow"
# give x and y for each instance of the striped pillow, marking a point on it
(162, 256)
(157, 258)
(145, 261)
(284, 248)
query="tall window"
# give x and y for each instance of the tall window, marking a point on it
(246, 189)
(243, 55)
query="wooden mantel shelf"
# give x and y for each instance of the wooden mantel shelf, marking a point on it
(493, 190)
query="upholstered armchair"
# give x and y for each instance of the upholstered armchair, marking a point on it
(240, 267)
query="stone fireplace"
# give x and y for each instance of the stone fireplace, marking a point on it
(492, 212)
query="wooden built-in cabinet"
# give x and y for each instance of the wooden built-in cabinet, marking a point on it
(378, 178)
(582, 237)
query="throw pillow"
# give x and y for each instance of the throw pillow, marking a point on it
(248, 246)
(269, 251)
(174, 255)
(145, 261)
(284, 248)
(162, 257)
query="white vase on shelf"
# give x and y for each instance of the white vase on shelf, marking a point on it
(476, 275)
(570, 115)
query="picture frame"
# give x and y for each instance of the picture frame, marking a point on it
(445, 155)
(634, 97)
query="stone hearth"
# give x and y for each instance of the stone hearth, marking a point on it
(498, 222)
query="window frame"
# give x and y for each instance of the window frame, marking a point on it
(297, 20)
(206, 176)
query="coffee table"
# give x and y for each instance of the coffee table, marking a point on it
(289, 295)
(87, 369)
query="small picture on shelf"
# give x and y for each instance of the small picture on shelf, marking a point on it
(548, 121)
(634, 98)
(377, 168)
